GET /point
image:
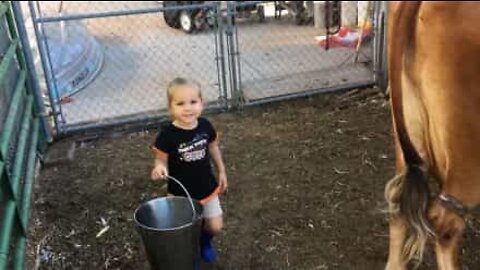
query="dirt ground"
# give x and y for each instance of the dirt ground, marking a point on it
(306, 191)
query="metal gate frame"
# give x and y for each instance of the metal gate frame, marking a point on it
(227, 59)
(234, 52)
(135, 122)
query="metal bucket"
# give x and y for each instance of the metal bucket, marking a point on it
(75, 55)
(170, 228)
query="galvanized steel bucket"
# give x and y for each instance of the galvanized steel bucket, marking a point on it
(170, 228)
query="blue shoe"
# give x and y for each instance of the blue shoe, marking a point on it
(207, 250)
(197, 265)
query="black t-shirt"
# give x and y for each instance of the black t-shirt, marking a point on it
(188, 158)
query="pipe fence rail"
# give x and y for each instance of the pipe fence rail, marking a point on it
(22, 138)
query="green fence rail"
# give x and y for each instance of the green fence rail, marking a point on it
(21, 140)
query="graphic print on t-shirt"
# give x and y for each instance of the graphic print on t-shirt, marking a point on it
(194, 150)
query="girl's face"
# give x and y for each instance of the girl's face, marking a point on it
(186, 106)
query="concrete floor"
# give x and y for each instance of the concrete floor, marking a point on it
(142, 54)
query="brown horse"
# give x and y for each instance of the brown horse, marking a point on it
(434, 69)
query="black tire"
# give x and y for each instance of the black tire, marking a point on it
(172, 17)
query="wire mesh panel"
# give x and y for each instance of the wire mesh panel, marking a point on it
(108, 63)
(287, 52)
(115, 63)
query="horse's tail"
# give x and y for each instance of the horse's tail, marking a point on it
(408, 193)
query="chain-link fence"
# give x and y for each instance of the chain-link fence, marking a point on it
(286, 55)
(108, 63)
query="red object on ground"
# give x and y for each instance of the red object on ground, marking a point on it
(346, 37)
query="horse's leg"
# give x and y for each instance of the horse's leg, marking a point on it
(397, 239)
(449, 227)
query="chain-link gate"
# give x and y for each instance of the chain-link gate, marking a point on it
(286, 55)
(107, 63)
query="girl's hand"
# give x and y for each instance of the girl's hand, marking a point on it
(159, 172)
(222, 182)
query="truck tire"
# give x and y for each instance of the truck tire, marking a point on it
(172, 17)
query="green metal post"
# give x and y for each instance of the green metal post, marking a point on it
(27, 194)
(23, 108)
(21, 146)
(6, 232)
(9, 214)
(12, 112)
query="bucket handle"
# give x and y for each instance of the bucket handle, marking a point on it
(188, 195)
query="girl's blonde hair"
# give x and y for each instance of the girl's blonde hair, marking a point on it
(179, 82)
